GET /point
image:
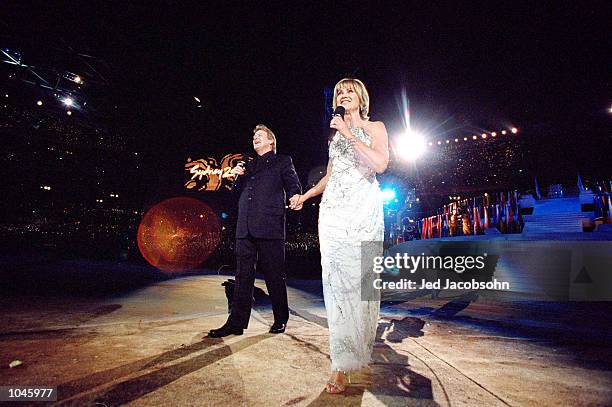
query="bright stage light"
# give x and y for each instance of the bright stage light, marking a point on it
(68, 101)
(456, 140)
(77, 79)
(388, 194)
(465, 139)
(504, 132)
(69, 113)
(484, 135)
(494, 134)
(474, 137)
(439, 142)
(39, 103)
(514, 130)
(411, 146)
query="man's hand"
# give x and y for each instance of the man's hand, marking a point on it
(237, 170)
(296, 202)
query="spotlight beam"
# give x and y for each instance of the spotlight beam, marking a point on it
(13, 61)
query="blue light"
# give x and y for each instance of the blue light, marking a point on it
(224, 215)
(388, 194)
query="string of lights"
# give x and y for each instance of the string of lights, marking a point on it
(475, 137)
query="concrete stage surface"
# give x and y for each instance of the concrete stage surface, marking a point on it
(148, 348)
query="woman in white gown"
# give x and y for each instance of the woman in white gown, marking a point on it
(350, 216)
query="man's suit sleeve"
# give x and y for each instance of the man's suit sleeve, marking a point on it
(291, 182)
(238, 184)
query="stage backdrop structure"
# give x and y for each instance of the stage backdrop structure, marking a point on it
(206, 174)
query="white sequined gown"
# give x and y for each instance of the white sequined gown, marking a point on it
(351, 212)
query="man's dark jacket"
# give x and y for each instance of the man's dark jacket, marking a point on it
(268, 182)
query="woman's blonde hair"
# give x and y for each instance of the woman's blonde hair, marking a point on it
(269, 132)
(360, 89)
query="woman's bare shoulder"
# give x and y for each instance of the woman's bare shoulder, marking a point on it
(375, 126)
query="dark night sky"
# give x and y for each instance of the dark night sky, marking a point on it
(476, 65)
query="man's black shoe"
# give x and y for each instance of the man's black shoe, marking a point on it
(225, 330)
(278, 328)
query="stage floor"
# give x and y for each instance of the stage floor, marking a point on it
(148, 347)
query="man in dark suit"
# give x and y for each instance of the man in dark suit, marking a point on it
(264, 186)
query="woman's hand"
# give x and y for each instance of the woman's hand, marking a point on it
(296, 202)
(339, 124)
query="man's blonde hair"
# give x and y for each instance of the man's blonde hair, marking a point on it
(360, 89)
(269, 132)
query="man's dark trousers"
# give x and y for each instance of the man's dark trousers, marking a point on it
(260, 234)
(268, 257)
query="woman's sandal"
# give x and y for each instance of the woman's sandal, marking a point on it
(337, 388)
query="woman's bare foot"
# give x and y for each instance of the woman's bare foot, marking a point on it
(337, 382)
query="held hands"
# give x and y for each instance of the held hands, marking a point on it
(296, 202)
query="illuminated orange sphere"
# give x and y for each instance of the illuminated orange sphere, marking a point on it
(178, 234)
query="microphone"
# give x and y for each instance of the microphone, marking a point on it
(241, 163)
(339, 112)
